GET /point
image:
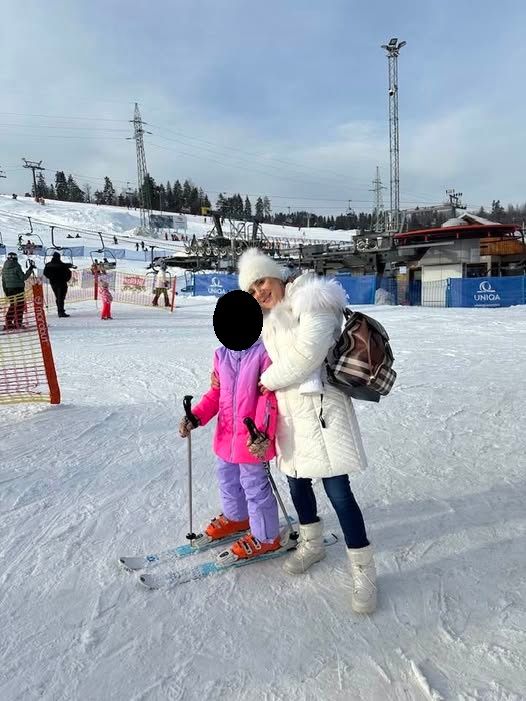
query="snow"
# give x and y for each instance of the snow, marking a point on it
(119, 220)
(104, 474)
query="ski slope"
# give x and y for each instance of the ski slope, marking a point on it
(123, 221)
(104, 474)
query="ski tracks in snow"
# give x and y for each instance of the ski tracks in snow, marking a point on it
(106, 472)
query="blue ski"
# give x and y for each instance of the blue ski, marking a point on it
(170, 580)
(145, 562)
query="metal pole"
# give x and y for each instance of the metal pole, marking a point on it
(187, 404)
(293, 535)
(191, 534)
(251, 426)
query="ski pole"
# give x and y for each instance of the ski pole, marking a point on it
(249, 423)
(187, 405)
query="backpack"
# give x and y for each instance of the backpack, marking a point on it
(360, 362)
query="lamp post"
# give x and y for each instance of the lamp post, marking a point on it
(393, 51)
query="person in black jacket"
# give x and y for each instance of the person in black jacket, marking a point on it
(58, 274)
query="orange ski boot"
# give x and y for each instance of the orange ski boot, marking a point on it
(221, 527)
(249, 546)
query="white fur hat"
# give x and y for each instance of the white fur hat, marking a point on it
(254, 265)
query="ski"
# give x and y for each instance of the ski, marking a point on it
(201, 544)
(171, 580)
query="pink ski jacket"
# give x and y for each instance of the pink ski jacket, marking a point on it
(105, 295)
(237, 398)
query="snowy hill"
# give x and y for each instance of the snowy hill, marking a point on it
(117, 221)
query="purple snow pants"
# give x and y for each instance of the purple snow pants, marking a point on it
(246, 493)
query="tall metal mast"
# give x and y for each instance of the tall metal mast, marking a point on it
(378, 223)
(142, 171)
(393, 50)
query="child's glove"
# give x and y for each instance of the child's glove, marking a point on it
(185, 426)
(260, 446)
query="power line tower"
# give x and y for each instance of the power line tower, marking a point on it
(454, 201)
(393, 51)
(34, 165)
(142, 170)
(378, 222)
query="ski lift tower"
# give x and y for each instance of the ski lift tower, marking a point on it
(393, 51)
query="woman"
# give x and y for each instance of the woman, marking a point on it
(160, 286)
(317, 434)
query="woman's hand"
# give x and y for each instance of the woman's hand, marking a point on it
(214, 380)
(262, 388)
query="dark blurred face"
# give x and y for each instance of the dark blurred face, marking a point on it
(267, 292)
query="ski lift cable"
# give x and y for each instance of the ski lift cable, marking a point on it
(319, 178)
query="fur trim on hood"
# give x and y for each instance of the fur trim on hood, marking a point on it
(310, 293)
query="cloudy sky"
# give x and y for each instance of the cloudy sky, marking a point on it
(280, 97)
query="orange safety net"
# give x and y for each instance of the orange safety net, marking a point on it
(27, 370)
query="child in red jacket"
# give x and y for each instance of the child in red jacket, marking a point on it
(106, 298)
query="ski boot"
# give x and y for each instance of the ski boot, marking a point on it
(222, 527)
(249, 547)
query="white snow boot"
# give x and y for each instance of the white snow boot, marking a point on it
(310, 549)
(364, 579)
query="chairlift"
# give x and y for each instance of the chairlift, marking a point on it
(64, 251)
(30, 248)
(108, 257)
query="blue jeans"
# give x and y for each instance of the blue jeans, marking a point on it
(342, 499)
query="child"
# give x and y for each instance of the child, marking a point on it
(106, 298)
(246, 495)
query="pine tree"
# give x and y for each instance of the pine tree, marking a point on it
(259, 209)
(497, 211)
(187, 194)
(169, 201)
(87, 192)
(42, 188)
(160, 198)
(195, 201)
(177, 196)
(220, 204)
(61, 186)
(75, 194)
(149, 194)
(267, 209)
(108, 192)
(238, 206)
(248, 209)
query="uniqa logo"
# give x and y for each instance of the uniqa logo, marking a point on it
(216, 288)
(486, 293)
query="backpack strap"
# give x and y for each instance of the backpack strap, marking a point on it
(322, 420)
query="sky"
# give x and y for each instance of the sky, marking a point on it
(285, 98)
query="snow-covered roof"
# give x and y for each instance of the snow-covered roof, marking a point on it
(469, 218)
(455, 221)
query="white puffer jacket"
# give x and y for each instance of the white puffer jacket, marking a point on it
(297, 334)
(160, 279)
